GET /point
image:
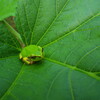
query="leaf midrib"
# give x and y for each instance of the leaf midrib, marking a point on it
(91, 74)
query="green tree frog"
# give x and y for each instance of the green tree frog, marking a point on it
(31, 54)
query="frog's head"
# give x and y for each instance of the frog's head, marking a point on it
(31, 54)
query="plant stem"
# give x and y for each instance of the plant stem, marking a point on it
(15, 34)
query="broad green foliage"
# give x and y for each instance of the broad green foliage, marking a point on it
(69, 32)
(7, 8)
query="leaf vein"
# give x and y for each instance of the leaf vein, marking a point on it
(26, 16)
(13, 84)
(71, 88)
(53, 82)
(72, 31)
(53, 22)
(11, 45)
(23, 33)
(35, 23)
(7, 57)
(86, 54)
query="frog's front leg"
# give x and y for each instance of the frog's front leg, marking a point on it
(27, 60)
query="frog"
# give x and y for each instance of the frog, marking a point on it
(31, 54)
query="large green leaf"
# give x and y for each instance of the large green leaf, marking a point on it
(69, 32)
(7, 8)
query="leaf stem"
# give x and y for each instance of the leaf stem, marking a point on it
(15, 34)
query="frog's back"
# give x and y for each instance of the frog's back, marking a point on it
(31, 50)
